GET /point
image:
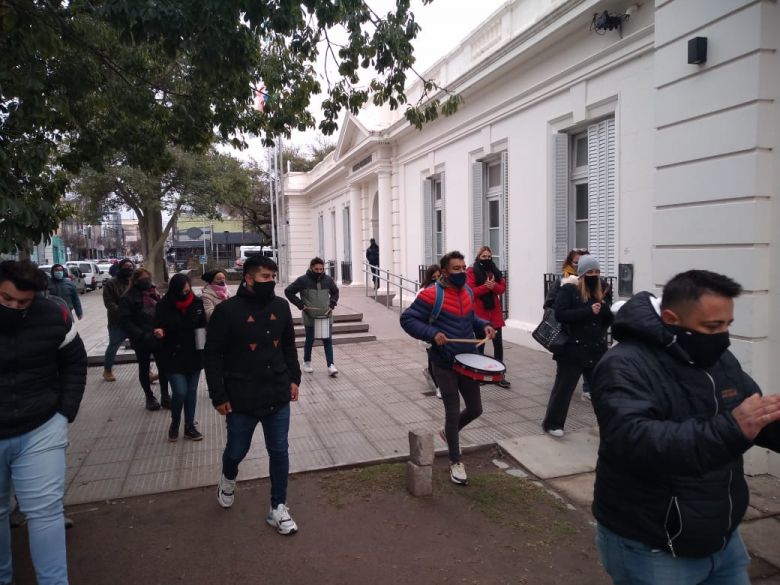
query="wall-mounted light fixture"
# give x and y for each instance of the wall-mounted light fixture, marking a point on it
(697, 50)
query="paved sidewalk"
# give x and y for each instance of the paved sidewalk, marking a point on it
(118, 449)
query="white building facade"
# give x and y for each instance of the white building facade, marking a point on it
(568, 137)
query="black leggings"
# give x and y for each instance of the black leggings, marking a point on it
(144, 358)
(498, 346)
(450, 383)
(566, 377)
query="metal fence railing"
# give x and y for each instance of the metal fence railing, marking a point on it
(330, 268)
(381, 281)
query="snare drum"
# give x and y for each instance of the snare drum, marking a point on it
(322, 328)
(479, 367)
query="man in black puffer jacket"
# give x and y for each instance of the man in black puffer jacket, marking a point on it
(676, 412)
(43, 370)
(253, 373)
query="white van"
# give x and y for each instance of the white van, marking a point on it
(245, 252)
(93, 276)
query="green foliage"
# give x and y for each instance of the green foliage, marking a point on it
(88, 82)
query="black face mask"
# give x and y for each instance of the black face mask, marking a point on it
(704, 349)
(125, 272)
(144, 283)
(10, 318)
(264, 291)
(486, 263)
(316, 275)
(591, 282)
(182, 296)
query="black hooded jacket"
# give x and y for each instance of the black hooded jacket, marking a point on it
(669, 471)
(250, 355)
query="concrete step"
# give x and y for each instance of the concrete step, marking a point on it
(337, 318)
(382, 298)
(342, 339)
(338, 328)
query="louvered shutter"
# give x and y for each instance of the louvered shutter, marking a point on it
(505, 210)
(561, 210)
(602, 231)
(428, 221)
(443, 216)
(477, 203)
(347, 235)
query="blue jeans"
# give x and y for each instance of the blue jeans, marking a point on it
(629, 562)
(184, 394)
(35, 463)
(308, 343)
(116, 335)
(240, 428)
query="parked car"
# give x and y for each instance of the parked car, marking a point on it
(92, 274)
(104, 266)
(74, 274)
(245, 252)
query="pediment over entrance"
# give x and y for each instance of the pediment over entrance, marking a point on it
(352, 133)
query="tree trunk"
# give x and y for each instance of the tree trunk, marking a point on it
(152, 244)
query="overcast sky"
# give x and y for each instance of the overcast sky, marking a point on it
(444, 24)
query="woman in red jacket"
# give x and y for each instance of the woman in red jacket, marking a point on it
(488, 284)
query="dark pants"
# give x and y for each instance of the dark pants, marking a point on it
(566, 377)
(240, 428)
(431, 373)
(308, 343)
(375, 273)
(498, 346)
(453, 386)
(144, 358)
(116, 335)
(184, 394)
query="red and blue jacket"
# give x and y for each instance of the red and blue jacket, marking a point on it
(456, 320)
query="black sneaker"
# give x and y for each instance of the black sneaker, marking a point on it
(152, 404)
(192, 433)
(173, 432)
(505, 383)
(68, 523)
(165, 401)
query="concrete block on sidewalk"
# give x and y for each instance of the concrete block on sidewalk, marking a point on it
(421, 447)
(419, 479)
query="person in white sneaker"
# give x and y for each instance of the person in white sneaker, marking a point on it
(253, 374)
(316, 295)
(456, 319)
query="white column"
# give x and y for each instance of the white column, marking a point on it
(356, 231)
(385, 221)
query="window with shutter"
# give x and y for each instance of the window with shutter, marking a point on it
(504, 259)
(477, 203)
(428, 222)
(321, 236)
(602, 231)
(561, 244)
(347, 236)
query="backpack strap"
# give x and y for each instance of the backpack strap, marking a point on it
(437, 305)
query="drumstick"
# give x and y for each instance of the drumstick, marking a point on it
(474, 341)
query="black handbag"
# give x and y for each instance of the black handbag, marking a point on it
(550, 333)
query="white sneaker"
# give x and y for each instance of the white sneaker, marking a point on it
(307, 367)
(438, 393)
(332, 371)
(458, 474)
(586, 395)
(557, 433)
(280, 519)
(225, 490)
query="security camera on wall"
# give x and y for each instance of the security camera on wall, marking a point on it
(606, 21)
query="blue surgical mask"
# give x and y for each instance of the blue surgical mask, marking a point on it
(58, 274)
(458, 279)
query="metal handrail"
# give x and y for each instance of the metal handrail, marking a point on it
(395, 280)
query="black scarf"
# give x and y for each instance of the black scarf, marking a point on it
(480, 276)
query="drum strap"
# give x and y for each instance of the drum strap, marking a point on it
(437, 305)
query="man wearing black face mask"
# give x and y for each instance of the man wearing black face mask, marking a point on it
(112, 292)
(676, 412)
(43, 371)
(253, 374)
(316, 295)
